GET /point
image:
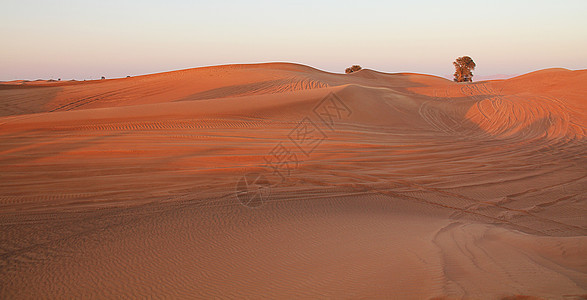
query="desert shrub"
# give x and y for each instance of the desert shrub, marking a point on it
(464, 67)
(352, 69)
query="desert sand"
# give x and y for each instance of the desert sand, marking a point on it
(283, 181)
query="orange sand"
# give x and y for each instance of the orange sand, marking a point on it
(420, 188)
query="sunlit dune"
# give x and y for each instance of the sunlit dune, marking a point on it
(407, 186)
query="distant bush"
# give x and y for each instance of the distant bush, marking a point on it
(103, 77)
(353, 69)
(464, 67)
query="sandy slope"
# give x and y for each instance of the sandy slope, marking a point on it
(416, 187)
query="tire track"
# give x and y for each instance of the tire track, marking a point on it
(175, 124)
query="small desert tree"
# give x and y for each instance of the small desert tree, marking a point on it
(352, 69)
(464, 67)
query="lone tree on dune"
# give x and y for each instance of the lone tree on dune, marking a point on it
(463, 69)
(352, 69)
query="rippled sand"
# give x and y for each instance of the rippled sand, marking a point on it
(280, 180)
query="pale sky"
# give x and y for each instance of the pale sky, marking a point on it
(114, 38)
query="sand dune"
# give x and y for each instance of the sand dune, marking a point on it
(401, 186)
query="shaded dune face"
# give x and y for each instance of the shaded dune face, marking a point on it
(409, 186)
